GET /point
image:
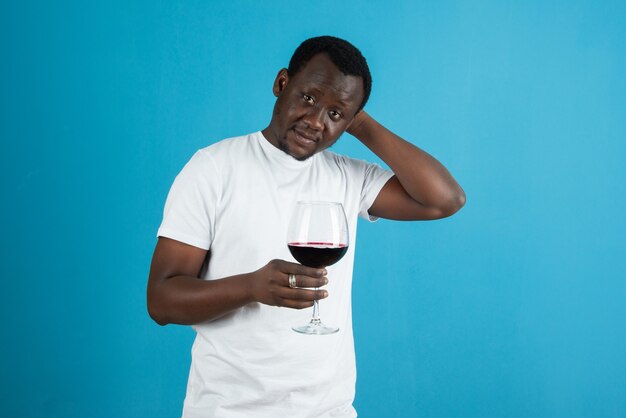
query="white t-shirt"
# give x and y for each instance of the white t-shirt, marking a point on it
(235, 198)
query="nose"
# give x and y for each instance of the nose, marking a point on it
(315, 119)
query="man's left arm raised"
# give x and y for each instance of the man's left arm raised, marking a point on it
(421, 189)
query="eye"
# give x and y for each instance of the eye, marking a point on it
(309, 99)
(334, 115)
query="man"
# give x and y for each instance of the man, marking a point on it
(225, 222)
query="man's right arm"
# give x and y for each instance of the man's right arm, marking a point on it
(177, 295)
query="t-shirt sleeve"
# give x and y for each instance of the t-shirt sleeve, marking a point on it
(374, 178)
(189, 214)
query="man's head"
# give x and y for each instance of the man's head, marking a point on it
(342, 53)
(326, 85)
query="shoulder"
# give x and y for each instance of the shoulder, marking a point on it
(368, 175)
(228, 145)
(345, 162)
(224, 152)
(213, 158)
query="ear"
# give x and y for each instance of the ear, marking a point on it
(282, 78)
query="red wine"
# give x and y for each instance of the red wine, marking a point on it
(317, 254)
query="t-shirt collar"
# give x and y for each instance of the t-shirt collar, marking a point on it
(281, 157)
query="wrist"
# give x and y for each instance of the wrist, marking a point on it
(251, 294)
(358, 124)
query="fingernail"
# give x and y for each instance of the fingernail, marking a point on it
(324, 294)
(325, 281)
(323, 272)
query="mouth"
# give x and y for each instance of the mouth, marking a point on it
(304, 138)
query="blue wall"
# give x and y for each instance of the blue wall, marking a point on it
(514, 307)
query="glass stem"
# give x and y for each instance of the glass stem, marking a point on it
(316, 310)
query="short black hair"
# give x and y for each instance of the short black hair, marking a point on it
(342, 53)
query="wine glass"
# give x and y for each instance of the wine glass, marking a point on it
(317, 237)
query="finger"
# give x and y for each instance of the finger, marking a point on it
(301, 294)
(299, 269)
(306, 281)
(296, 304)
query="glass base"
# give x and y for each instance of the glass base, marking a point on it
(315, 327)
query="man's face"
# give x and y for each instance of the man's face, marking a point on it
(313, 108)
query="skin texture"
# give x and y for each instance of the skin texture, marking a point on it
(313, 108)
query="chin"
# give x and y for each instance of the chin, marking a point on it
(302, 158)
(283, 145)
(299, 157)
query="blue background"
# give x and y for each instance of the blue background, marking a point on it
(514, 307)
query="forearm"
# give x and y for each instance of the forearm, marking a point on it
(424, 178)
(176, 294)
(188, 300)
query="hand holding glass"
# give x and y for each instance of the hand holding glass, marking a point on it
(317, 237)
